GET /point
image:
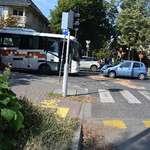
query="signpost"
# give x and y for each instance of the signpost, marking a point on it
(65, 32)
(65, 77)
(70, 20)
(140, 56)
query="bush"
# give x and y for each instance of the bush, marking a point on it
(11, 117)
(43, 129)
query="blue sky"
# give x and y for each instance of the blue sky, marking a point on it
(45, 6)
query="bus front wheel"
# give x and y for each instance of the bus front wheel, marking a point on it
(44, 69)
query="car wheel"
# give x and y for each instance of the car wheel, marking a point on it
(93, 68)
(44, 69)
(112, 74)
(141, 76)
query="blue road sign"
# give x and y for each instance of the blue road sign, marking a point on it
(65, 31)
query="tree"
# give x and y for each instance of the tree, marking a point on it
(134, 22)
(10, 21)
(1, 21)
(95, 23)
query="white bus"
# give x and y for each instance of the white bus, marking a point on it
(27, 49)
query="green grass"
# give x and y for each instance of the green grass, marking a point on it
(73, 98)
(43, 129)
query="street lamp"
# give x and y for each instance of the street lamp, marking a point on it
(87, 46)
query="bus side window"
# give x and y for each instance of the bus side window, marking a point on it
(11, 41)
(34, 42)
(42, 43)
(0, 40)
(7, 41)
(24, 42)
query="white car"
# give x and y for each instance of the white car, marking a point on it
(90, 63)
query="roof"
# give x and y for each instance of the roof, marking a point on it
(28, 3)
(22, 31)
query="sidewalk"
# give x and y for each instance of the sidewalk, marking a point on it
(36, 88)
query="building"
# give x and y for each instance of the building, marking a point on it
(30, 15)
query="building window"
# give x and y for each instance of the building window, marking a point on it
(38, 22)
(1, 10)
(34, 18)
(17, 12)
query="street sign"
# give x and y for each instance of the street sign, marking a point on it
(65, 31)
(140, 55)
(88, 42)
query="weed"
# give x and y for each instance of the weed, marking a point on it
(43, 129)
(73, 98)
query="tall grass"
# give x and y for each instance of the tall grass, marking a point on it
(43, 129)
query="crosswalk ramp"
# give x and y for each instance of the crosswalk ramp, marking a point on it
(106, 96)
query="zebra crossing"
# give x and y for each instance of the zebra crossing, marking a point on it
(106, 96)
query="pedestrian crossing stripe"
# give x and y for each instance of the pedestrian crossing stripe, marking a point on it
(106, 97)
(147, 123)
(129, 97)
(114, 124)
(146, 94)
(119, 124)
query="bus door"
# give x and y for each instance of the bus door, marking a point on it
(53, 53)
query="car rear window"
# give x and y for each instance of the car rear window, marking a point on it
(88, 59)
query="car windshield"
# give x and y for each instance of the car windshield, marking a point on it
(117, 63)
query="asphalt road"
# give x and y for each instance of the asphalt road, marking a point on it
(123, 105)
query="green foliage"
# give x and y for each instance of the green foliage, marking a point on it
(134, 22)
(10, 21)
(11, 117)
(96, 21)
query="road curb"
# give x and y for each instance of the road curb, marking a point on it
(77, 136)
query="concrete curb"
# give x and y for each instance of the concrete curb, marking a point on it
(77, 136)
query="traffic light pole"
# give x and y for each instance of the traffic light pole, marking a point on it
(62, 57)
(65, 77)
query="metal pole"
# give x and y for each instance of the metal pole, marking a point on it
(87, 53)
(129, 53)
(62, 57)
(65, 77)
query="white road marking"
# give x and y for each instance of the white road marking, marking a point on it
(105, 96)
(129, 97)
(146, 94)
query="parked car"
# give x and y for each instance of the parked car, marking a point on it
(127, 68)
(90, 63)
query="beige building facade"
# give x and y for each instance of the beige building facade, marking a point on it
(30, 15)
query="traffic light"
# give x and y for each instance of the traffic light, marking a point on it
(76, 21)
(73, 20)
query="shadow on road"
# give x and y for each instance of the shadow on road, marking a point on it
(139, 142)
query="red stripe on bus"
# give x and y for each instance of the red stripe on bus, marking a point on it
(25, 54)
